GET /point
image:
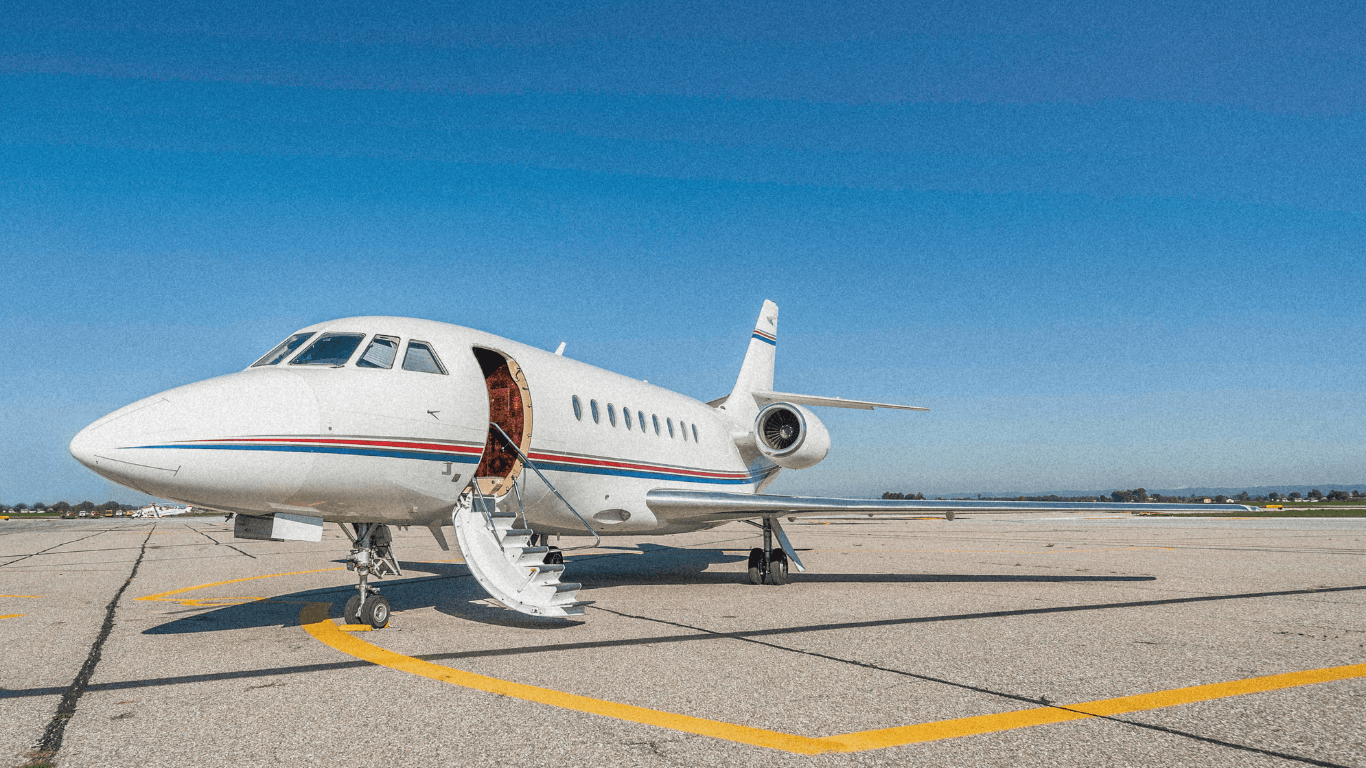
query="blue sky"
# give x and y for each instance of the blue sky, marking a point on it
(1110, 246)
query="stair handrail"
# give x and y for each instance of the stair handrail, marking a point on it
(549, 485)
(478, 495)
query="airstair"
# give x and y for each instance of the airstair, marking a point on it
(498, 551)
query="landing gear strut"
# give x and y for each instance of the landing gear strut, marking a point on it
(372, 554)
(769, 564)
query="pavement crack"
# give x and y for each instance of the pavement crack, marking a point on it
(221, 544)
(49, 549)
(51, 742)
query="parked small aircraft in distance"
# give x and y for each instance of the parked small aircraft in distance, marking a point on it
(371, 422)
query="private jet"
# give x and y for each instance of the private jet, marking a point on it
(376, 422)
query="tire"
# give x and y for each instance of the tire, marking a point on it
(375, 612)
(351, 613)
(757, 566)
(554, 557)
(777, 568)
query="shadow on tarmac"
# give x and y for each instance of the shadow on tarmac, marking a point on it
(447, 588)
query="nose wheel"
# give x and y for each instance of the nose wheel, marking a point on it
(372, 554)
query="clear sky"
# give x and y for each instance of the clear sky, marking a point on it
(1111, 245)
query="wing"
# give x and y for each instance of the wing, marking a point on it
(703, 506)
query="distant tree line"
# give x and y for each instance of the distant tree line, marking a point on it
(62, 507)
(1141, 496)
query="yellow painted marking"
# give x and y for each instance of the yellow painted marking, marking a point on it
(31, 597)
(947, 729)
(12, 616)
(316, 621)
(314, 617)
(210, 601)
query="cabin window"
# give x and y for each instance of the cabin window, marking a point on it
(593, 406)
(611, 415)
(422, 358)
(695, 438)
(281, 352)
(380, 353)
(578, 408)
(626, 416)
(684, 429)
(332, 349)
(640, 416)
(670, 422)
(655, 419)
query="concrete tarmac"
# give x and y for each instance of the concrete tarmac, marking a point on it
(986, 641)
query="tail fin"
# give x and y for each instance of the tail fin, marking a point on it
(756, 373)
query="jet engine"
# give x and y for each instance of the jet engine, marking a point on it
(791, 436)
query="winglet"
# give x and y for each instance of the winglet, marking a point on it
(756, 373)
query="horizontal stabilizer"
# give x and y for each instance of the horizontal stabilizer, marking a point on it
(829, 402)
(695, 506)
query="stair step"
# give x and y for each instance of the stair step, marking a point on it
(497, 547)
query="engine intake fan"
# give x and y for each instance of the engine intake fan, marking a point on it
(791, 436)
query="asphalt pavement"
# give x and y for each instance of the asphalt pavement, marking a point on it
(990, 640)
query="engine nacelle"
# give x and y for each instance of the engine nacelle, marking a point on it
(791, 436)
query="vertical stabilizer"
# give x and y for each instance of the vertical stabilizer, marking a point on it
(756, 373)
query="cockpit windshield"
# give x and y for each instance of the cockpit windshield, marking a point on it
(281, 352)
(330, 349)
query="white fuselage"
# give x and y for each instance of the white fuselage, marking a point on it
(364, 444)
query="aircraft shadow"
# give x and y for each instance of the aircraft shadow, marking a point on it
(423, 585)
(448, 588)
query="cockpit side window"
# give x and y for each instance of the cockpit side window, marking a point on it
(380, 353)
(422, 358)
(284, 350)
(332, 349)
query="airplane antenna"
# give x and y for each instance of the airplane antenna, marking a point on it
(560, 350)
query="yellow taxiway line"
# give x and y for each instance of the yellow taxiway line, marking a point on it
(12, 615)
(212, 601)
(318, 623)
(316, 620)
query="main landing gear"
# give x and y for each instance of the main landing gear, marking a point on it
(768, 564)
(554, 556)
(372, 554)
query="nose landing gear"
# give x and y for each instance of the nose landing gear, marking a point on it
(372, 554)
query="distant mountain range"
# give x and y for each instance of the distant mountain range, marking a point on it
(1259, 490)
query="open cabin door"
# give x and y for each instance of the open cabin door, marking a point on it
(510, 409)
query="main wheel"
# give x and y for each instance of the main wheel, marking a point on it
(757, 566)
(554, 557)
(351, 613)
(777, 568)
(375, 612)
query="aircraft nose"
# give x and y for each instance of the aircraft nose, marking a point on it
(83, 446)
(136, 446)
(98, 445)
